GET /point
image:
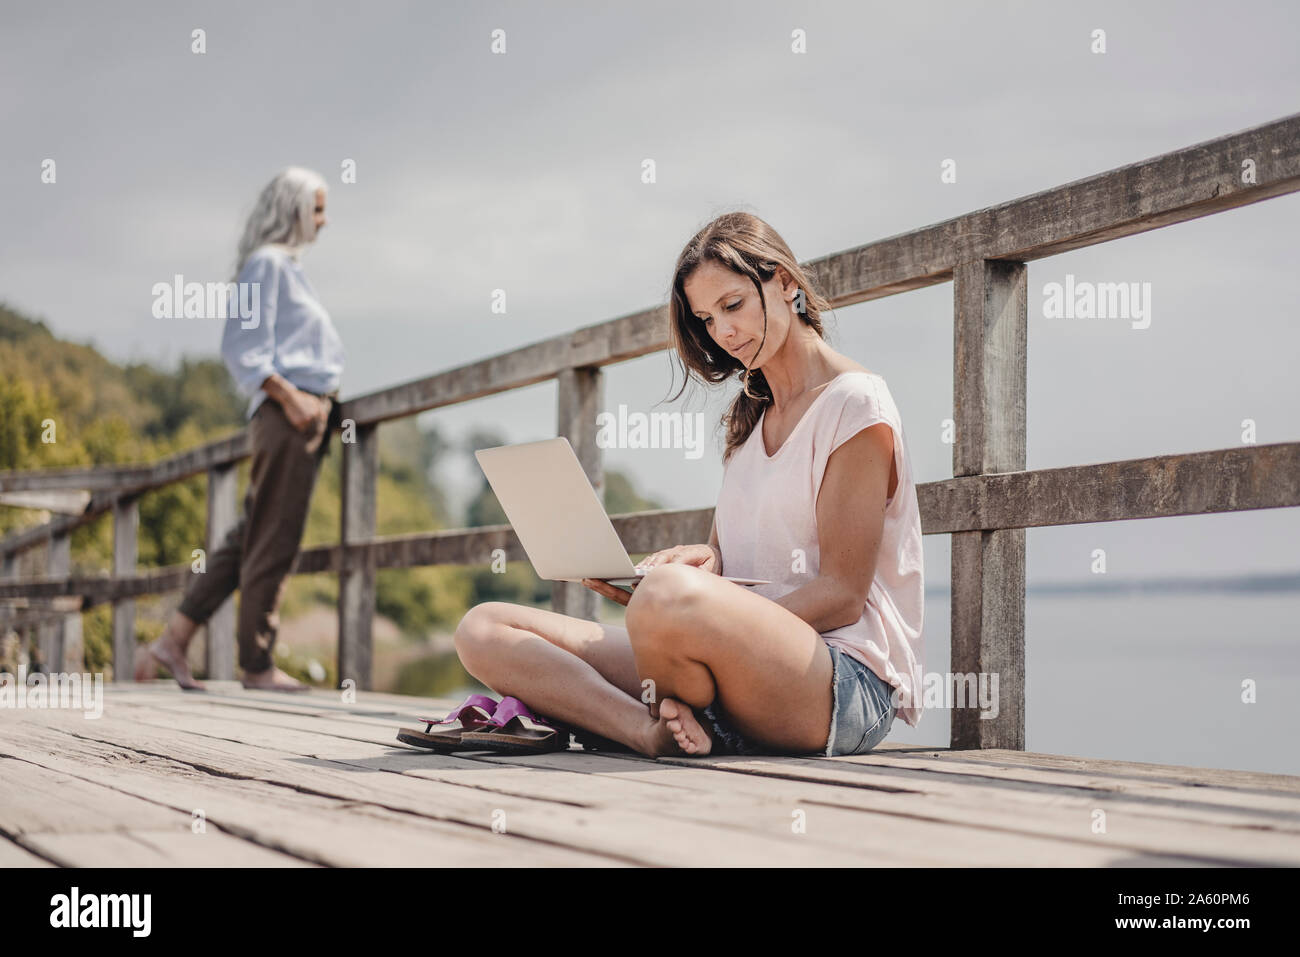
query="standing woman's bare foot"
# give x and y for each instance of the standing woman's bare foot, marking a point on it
(273, 679)
(164, 652)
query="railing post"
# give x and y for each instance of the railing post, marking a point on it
(219, 643)
(126, 528)
(357, 570)
(580, 396)
(9, 572)
(53, 629)
(988, 567)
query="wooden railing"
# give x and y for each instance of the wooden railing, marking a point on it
(985, 506)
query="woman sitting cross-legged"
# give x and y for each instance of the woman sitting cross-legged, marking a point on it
(817, 498)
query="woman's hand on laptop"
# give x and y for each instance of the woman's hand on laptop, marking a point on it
(702, 556)
(612, 592)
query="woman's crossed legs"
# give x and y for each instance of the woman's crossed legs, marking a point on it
(691, 637)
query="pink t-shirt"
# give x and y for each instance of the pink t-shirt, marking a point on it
(767, 528)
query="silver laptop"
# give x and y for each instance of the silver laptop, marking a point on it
(554, 510)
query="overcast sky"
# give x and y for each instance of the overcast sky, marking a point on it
(522, 171)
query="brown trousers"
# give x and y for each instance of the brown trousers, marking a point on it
(259, 552)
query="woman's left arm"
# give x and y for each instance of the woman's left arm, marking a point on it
(850, 522)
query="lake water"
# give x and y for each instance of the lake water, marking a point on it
(1148, 677)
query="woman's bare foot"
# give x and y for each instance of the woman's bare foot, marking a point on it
(676, 732)
(273, 679)
(691, 736)
(170, 656)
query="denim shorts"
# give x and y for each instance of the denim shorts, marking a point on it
(862, 712)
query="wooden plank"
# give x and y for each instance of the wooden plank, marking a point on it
(1176, 774)
(1165, 827)
(357, 575)
(1186, 800)
(118, 485)
(69, 502)
(131, 479)
(371, 704)
(74, 650)
(126, 527)
(1198, 483)
(751, 801)
(15, 855)
(988, 567)
(580, 397)
(1161, 486)
(33, 799)
(310, 827)
(630, 836)
(79, 477)
(98, 589)
(615, 340)
(57, 564)
(368, 720)
(639, 531)
(219, 630)
(1180, 793)
(157, 849)
(80, 824)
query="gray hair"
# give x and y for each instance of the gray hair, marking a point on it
(285, 213)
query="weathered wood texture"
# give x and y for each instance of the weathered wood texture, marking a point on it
(53, 630)
(580, 398)
(309, 780)
(126, 526)
(219, 637)
(988, 567)
(1196, 483)
(68, 502)
(357, 566)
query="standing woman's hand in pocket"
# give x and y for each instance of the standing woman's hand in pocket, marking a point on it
(305, 411)
(302, 409)
(702, 556)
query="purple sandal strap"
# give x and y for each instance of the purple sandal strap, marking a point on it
(508, 708)
(474, 701)
(512, 708)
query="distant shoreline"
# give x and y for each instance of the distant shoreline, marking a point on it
(1246, 584)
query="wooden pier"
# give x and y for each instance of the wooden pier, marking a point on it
(313, 780)
(308, 780)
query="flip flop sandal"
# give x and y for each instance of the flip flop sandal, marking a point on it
(513, 729)
(475, 712)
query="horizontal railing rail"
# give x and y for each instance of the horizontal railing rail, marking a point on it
(1195, 483)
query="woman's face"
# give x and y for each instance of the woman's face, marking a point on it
(728, 305)
(320, 209)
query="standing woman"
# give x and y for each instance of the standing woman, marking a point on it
(817, 498)
(289, 353)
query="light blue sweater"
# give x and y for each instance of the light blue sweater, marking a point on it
(291, 334)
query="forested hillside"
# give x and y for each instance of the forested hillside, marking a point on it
(104, 412)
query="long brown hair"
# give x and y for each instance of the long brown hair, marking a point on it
(749, 247)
